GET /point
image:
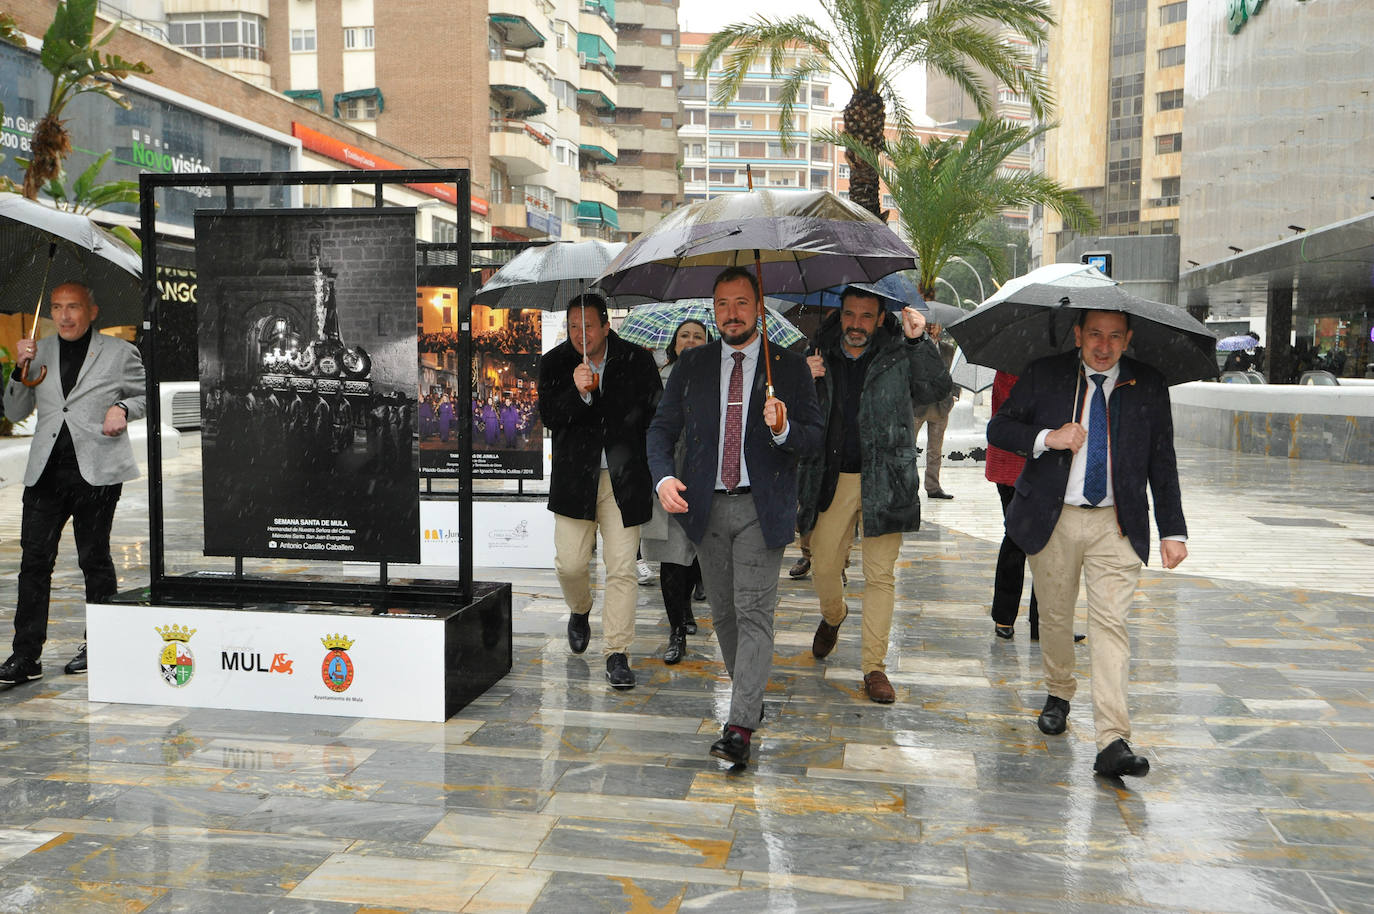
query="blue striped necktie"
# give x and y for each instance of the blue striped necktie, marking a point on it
(1095, 474)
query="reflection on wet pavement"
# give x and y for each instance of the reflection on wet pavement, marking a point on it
(1252, 696)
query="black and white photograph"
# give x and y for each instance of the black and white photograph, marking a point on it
(308, 375)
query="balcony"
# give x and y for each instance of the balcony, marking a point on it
(597, 87)
(515, 21)
(518, 87)
(648, 99)
(648, 57)
(520, 146)
(597, 143)
(598, 188)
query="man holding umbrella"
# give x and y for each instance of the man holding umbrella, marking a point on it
(871, 372)
(597, 394)
(1095, 427)
(90, 385)
(737, 499)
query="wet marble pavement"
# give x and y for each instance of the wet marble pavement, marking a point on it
(1252, 696)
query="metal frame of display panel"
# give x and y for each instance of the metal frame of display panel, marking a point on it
(243, 588)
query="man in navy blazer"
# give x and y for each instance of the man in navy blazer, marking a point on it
(1074, 519)
(737, 503)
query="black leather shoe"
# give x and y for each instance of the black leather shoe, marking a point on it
(1117, 760)
(690, 626)
(579, 631)
(732, 747)
(1054, 719)
(1005, 632)
(77, 665)
(801, 569)
(698, 596)
(618, 672)
(826, 636)
(20, 669)
(677, 646)
(1077, 638)
(940, 494)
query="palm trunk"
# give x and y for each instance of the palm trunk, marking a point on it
(51, 144)
(865, 119)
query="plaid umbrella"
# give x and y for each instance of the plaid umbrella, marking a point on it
(652, 326)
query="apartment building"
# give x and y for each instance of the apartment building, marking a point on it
(717, 143)
(1117, 73)
(648, 114)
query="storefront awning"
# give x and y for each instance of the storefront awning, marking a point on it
(341, 97)
(596, 98)
(597, 153)
(591, 211)
(521, 101)
(518, 30)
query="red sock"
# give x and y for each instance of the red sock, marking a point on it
(745, 732)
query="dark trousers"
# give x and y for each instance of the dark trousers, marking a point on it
(59, 495)
(677, 583)
(1011, 575)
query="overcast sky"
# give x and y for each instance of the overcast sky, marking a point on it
(710, 15)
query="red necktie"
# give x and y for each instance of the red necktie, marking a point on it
(734, 424)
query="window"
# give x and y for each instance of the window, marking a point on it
(218, 35)
(745, 123)
(719, 150)
(753, 150)
(752, 92)
(1173, 12)
(843, 171)
(665, 80)
(696, 116)
(359, 109)
(1168, 101)
(722, 121)
(666, 122)
(820, 95)
(444, 232)
(358, 39)
(723, 175)
(666, 39)
(1169, 142)
(1171, 57)
(302, 39)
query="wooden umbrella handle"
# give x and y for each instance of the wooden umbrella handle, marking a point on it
(33, 331)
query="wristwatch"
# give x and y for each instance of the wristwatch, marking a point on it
(124, 406)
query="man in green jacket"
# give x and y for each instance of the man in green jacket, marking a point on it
(870, 373)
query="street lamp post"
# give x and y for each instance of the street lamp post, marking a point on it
(1013, 258)
(982, 296)
(957, 297)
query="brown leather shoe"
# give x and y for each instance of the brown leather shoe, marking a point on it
(878, 688)
(826, 636)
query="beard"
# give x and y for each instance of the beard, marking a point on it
(857, 338)
(738, 338)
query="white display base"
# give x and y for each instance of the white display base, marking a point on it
(253, 660)
(506, 534)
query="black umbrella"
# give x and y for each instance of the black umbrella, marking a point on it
(1037, 320)
(81, 251)
(806, 241)
(548, 276)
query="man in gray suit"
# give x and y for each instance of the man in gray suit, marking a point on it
(78, 462)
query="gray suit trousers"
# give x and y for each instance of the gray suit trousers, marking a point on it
(740, 575)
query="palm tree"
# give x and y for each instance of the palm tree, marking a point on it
(869, 45)
(946, 187)
(71, 53)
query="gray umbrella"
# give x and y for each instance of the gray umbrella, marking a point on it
(548, 276)
(1037, 320)
(807, 240)
(83, 252)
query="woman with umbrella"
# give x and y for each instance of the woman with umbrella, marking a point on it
(663, 540)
